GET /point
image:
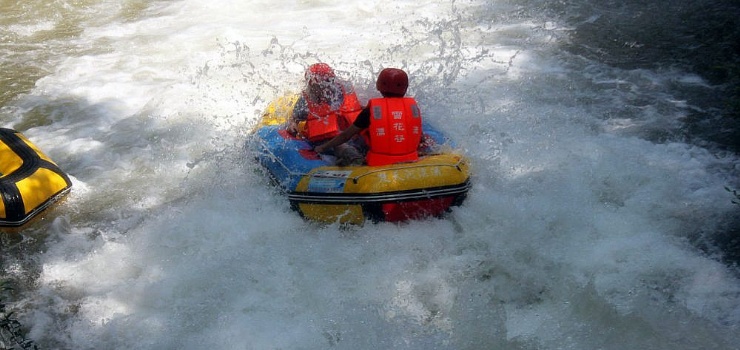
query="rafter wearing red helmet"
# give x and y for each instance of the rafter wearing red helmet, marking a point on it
(326, 106)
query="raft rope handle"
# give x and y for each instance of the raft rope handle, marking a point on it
(356, 179)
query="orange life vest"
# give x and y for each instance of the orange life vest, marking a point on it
(324, 122)
(395, 131)
(350, 108)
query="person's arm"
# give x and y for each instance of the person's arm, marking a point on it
(343, 137)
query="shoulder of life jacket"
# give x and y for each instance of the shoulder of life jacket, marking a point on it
(395, 131)
(325, 122)
(321, 123)
(350, 109)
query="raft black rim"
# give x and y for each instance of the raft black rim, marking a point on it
(383, 197)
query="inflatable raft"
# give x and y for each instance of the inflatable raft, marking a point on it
(29, 180)
(323, 192)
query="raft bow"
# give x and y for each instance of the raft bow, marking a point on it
(29, 180)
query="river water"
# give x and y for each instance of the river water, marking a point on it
(602, 134)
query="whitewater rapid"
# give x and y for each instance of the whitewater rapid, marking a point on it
(579, 232)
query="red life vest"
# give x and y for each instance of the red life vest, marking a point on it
(350, 108)
(395, 131)
(324, 122)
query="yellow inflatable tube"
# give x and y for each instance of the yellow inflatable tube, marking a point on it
(29, 180)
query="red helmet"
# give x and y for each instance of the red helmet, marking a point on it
(393, 82)
(320, 83)
(319, 72)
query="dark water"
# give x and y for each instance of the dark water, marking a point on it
(694, 36)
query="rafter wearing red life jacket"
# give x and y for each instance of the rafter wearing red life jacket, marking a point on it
(325, 121)
(395, 131)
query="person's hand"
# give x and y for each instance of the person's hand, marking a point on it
(291, 128)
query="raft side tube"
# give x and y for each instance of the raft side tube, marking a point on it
(29, 180)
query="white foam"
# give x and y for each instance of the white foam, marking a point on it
(28, 30)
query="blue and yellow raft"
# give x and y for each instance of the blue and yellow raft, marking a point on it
(323, 192)
(29, 180)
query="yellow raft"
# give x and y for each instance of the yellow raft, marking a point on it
(324, 192)
(29, 180)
